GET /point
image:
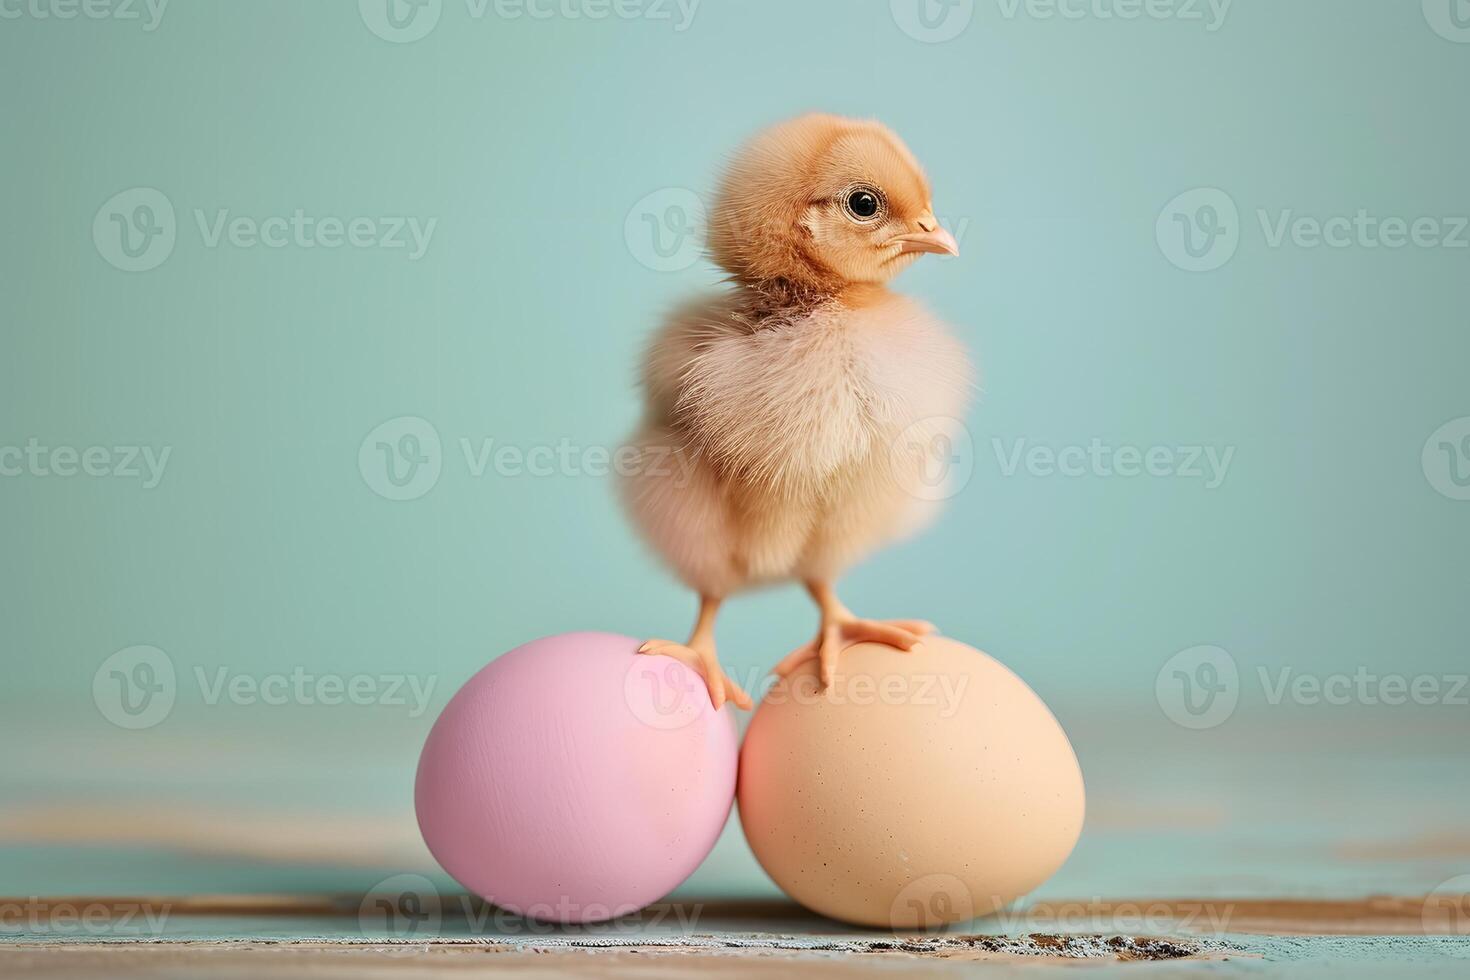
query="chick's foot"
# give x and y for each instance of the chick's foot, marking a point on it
(699, 654)
(840, 629)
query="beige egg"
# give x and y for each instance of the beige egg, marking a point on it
(920, 789)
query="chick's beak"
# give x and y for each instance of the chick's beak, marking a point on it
(932, 238)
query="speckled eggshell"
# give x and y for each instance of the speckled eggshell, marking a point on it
(922, 789)
(574, 780)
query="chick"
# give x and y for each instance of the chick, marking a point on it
(788, 419)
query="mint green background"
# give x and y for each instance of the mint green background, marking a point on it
(1059, 143)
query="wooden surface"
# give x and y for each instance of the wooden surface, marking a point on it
(248, 846)
(330, 936)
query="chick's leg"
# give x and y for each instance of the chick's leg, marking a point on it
(840, 629)
(699, 653)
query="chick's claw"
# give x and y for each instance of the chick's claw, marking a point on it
(702, 659)
(837, 635)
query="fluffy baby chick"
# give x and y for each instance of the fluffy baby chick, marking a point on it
(790, 419)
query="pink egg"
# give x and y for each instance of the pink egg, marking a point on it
(575, 780)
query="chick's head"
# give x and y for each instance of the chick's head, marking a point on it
(824, 201)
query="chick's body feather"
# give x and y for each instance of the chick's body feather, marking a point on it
(793, 437)
(792, 423)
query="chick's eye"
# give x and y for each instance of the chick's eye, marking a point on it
(863, 203)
